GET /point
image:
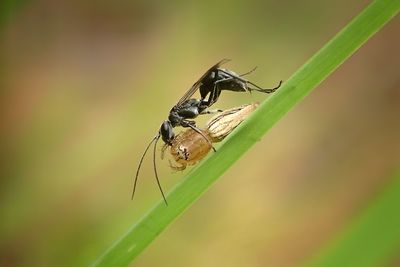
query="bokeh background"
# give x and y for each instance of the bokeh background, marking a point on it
(86, 84)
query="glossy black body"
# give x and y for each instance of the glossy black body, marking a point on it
(210, 86)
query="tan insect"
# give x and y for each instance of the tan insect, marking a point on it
(189, 146)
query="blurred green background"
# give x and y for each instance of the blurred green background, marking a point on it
(86, 84)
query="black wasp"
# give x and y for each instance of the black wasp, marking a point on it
(210, 84)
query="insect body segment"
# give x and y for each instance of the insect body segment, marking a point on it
(188, 148)
(222, 125)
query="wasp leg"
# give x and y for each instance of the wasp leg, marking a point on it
(256, 87)
(247, 73)
(213, 111)
(215, 92)
(263, 90)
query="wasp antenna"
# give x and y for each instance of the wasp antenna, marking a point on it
(247, 73)
(264, 90)
(155, 170)
(140, 163)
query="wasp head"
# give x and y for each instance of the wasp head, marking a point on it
(166, 132)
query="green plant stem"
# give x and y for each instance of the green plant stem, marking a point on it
(334, 53)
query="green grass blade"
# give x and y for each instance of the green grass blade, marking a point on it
(124, 250)
(370, 240)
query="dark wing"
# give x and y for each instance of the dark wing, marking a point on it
(196, 85)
